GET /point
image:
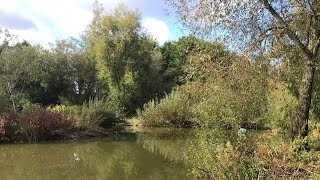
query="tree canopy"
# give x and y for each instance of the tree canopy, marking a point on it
(263, 24)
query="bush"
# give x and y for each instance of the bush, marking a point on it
(220, 92)
(10, 127)
(195, 103)
(92, 114)
(173, 110)
(281, 104)
(33, 126)
(216, 108)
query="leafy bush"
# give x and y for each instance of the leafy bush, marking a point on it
(281, 104)
(173, 110)
(92, 114)
(216, 107)
(215, 95)
(10, 127)
(33, 126)
(29, 107)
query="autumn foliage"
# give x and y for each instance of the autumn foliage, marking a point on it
(34, 126)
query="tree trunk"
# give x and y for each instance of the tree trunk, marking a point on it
(300, 124)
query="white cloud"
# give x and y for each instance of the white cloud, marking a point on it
(58, 19)
(53, 19)
(66, 18)
(9, 6)
(40, 35)
(157, 28)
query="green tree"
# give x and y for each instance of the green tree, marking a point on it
(174, 58)
(15, 70)
(63, 73)
(262, 24)
(77, 70)
(124, 56)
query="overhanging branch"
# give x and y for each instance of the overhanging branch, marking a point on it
(288, 31)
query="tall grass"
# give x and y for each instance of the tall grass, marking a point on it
(92, 114)
(172, 110)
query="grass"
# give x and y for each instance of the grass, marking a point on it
(91, 115)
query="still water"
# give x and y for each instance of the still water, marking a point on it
(148, 154)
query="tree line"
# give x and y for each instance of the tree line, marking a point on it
(266, 47)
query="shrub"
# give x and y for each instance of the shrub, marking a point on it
(281, 105)
(219, 92)
(216, 109)
(173, 110)
(10, 127)
(91, 114)
(42, 124)
(33, 126)
(4, 103)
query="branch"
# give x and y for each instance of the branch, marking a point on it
(290, 33)
(263, 35)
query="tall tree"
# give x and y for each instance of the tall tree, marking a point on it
(263, 24)
(123, 53)
(76, 71)
(16, 69)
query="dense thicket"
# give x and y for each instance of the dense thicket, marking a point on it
(267, 26)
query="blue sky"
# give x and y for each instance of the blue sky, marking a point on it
(43, 21)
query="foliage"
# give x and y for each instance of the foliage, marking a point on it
(290, 72)
(173, 110)
(91, 114)
(174, 58)
(263, 26)
(64, 73)
(123, 53)
(221, 155)
(281, 104)
(16, 69)
(215, 109)
(221, 90)
(5, 101)
(33, 126)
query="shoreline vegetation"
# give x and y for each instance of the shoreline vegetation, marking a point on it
(116, 75)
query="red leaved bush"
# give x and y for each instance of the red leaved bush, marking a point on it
(10, 127)
(34, 126)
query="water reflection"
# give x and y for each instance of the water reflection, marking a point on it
(121, 158)
(170, 143)
(148, 153)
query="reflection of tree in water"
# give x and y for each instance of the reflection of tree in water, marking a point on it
(211, 154)
(194, 148)
(153, 154)
(100, 159)
(170, 143)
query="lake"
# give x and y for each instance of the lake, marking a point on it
(146, 154)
